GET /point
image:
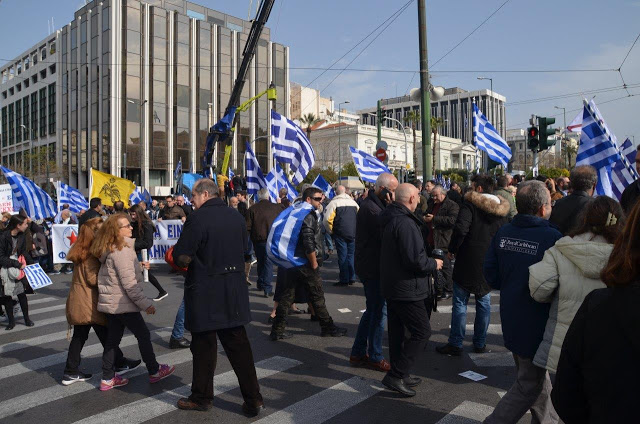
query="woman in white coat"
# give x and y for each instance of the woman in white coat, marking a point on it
(570, 270)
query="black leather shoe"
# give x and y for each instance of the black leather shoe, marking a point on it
(449, 350)
(9, 327)
(29, 323)
(482, 349)
(179, 343)
(334, 332)
(252, 411)
(397, 385)
(279, 336)
(189, 405)
(412, 381)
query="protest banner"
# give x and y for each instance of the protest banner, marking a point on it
(6, 198)
(62, 237)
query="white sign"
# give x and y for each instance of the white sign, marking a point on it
(166, 235)
(471, 375)
(6, 198)
(63, 236)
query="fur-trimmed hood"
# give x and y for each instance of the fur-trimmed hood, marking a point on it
(489, 203)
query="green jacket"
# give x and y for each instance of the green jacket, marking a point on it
(509, 198)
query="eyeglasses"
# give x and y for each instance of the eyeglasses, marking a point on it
(126, 226)
(317, 199)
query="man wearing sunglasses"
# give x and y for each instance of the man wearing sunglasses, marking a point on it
(310, 244)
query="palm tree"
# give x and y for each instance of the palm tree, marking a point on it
(309, 120)
(412, 118)
(436, 122)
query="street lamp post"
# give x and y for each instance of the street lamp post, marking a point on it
(564, 132)
(339, 139)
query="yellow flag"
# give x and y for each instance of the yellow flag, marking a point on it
(110, 188)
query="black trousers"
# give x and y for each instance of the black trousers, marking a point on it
(312, 281)
(116, 324)
(24, 306)
(80, 336)
(414, 317)
(154, 281)
(204, 347)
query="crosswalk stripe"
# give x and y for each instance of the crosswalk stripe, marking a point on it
(61, 357)
(39, 323)
(35, 341)
(33, 312)
(493, 329)
(41, 300)
(467, 413)
(148, 408)
(341, 397)
(447, 309)
(493, 359)
(41, 397)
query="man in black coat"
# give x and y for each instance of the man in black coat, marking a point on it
(631, 194)
(212, 245)
(479, 218)
(405, 279)
(439, 222)
(566, 211)
(367, 265)
(95, 207)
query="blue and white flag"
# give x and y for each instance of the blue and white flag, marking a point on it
(621, 176)
(255, 177)
(72, 197)
(231, 174)
(178, 170)
(598, 149)
(368, 167)
(284, 234)
(488, 139)
(139, 195)
(26, 194)
(276, 179)
(291, 145)
(36, 276)
(324, 185)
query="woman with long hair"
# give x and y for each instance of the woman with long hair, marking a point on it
(597, 379)
(14, 256)
(121, 298)
(570, 270)
(143, 234)
(82, 306)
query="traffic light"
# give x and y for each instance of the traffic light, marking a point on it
(411, 175)
(545, 132)
(532, 137)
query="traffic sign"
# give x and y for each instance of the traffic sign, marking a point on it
(381, 154)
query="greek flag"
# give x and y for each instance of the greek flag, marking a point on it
(27, 195)
(291, 145)
(324, 185)
(178, 170)
(140, 195)
(72, 197)
(488, 139)
(276, 179)
(255, 177)
(284, 234)
(621, 177)
(231, 174)
(598, 149)
(368, 167)
(36, 276)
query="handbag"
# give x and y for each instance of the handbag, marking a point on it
(168, 258)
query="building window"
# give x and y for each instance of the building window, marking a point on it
(52, 47)
(43, 112)
(52, 108)
(5, 122)
(12, 123)
(43, 54)
(34, 115)
(19, 128)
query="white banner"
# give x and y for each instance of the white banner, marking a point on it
(6, 198)
(63, 236)
(166, 235)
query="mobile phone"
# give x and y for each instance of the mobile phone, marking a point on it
(384, 193)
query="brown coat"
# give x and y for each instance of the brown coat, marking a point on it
(82, 302)
(120, 282)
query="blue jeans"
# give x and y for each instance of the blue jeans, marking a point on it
(178, 325)
(345, 249)
(265, 267)
(459, 317)
(371, 327)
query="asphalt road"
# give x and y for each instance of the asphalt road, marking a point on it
(304, 379)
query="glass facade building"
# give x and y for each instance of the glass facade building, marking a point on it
(140, 84)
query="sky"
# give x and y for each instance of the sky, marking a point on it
(521, 36)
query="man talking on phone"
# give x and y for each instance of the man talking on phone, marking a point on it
(405, 279)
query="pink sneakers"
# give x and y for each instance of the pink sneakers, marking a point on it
(163, 372)
(116, 381)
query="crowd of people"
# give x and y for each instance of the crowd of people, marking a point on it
(566, 264)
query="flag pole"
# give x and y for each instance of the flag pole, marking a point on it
(58, 194)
